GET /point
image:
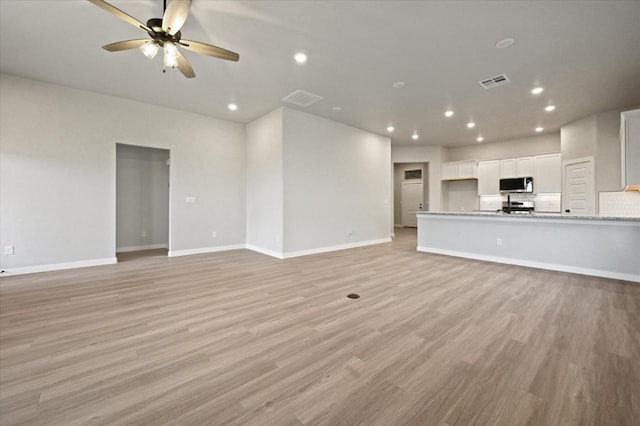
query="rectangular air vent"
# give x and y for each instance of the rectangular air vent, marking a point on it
(302, 98)
(496, 81)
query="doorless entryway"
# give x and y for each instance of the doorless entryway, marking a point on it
(142, 198)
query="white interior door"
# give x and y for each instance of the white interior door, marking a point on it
(411, 202)
(579, 189)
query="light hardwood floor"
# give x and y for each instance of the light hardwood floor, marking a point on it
(241, 338)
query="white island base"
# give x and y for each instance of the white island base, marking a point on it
(602, 247)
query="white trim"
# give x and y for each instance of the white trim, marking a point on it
(265, 251)
(139, 248)
(335, 248)
(59, 266)
(176, 253)
(532, 264)
(398, 225)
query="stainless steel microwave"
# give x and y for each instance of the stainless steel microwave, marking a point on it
(521, 184)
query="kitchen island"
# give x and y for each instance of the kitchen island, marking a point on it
(591, 245)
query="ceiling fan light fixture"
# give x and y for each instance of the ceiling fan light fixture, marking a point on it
(150, 49)
(170, 61)
(170, 50)
(170, 55)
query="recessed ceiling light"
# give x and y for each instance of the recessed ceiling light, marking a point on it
(336, 109)
(415, 137)
(398, 84)
(390, 129)
(537, 90)
(549, 108)
(480, 139)
(232, 107)
(539, 129)
(471, 124)
(448, 114)
(300, 57)
(506, 42)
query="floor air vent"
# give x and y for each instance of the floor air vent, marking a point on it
(302, 98)
(496, 81)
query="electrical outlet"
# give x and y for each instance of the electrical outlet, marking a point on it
(191, 200)
(8, 250)
(214, 234)
(499, 241)
(277, 238)
(143, 234)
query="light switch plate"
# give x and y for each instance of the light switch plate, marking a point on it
(8, 250)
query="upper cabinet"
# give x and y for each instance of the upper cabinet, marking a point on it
(547, 173)
(459, 170)
(524, 166)
(545, 169)
(630, 137)
(489, 177)
(516, 167)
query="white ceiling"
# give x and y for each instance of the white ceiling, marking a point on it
(586, 54)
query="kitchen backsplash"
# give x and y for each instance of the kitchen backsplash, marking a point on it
(619, 204)
(543, 202)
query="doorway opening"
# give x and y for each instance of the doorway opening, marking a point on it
(142, 202)
(411, 192)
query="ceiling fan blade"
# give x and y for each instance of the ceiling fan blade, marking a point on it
(207, 49)
(175, 16)
(120, 14)
(185, 67)
(124, 45)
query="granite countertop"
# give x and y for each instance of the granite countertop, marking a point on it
(539, 215)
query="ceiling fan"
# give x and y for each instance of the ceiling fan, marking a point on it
(165, 33)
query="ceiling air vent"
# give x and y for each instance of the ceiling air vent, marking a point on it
(302, 98)
(496, 81)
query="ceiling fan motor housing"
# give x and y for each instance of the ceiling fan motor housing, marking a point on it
(158, 33)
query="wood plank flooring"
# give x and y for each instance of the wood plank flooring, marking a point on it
(239, 338)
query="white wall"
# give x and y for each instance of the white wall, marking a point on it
(336, 178)
(462, 195)
(523, 147)
(578, 139)
(142, 198)
(57, 177)
(265, 183)
(596, 136)
(608, 161)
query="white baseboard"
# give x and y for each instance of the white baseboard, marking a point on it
(140, 248)
(539, 265)
(58, 266)
(335, 248)
(202, 250)
(265, 251)
(396, 225)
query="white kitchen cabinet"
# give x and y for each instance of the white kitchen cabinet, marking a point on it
(516, 167)
(547, 173)
(508, 168)
(489, 177)
(630, 138)
(449, 171)
(459, 170)
(524, 166)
